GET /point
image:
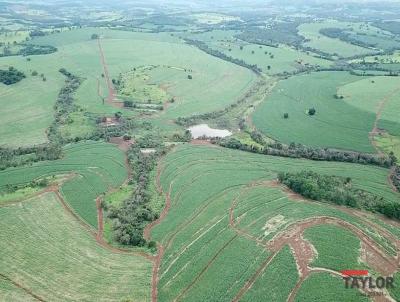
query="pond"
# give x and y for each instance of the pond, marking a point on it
(204, 130)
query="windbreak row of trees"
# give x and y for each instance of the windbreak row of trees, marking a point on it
(130, 219)
(395, 177)
(338, 190)
(25, 155)
(301, 151)
(64, 105)
(204, 47)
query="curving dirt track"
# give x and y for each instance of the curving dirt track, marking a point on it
(375, 130)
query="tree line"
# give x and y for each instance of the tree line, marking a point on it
(338, 190)
(130, 219)
(64, 105)
(24, 155)
(204, 47)
(395, 177)
(301, 151)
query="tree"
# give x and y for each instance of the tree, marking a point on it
(190, 77)
(286, 115)
(94, 36)
(312, 111)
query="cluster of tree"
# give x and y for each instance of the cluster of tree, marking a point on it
(204, 47)
(37, 183)
(64, 105)
(391, 26)
(137, 105)
(32, 50)
(130, 219)
(37, 33)
(25, 155)
(342, 34)
(279, 33)
(28, 50)
(395, 177)
(301, 151)
(338, 190)
(11, 76)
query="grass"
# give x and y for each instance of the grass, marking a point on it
(37, 257)
(338, 123)
(97, 167)
(116, 197)
(204, 256)
(17, 195)
(338, 249)
(395, 292)
(389, 143)
(136, 86)
(323, 287)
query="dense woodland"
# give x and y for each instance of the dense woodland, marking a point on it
(11, 76)
(130, 219)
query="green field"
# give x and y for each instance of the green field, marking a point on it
(205, 182)
(215, 85)
(96, 168)
(339, 251)
(54, 257)
(324, 287)
(338, 123)
(329, 45)
(279, 59)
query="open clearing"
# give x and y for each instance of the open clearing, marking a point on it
(226, 211)
(53, 257)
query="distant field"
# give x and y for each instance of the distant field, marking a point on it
(279, 59)
(213, 18)
(28, 105)
(97, 168)
(201, 243)
(338, 123)
(55, 258)
(215, 84)
(329, 45)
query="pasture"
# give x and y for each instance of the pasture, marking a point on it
(346, 109)
(94, 167)
(56, 259)
(224, 212)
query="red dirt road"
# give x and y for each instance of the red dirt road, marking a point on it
(112, 94)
